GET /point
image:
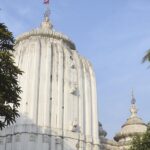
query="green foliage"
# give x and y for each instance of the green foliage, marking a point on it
(141, 142)
(9, 87)
(6, 39)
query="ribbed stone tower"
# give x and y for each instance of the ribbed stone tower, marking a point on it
(59, 102)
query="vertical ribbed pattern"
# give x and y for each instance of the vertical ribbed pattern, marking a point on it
(79, 68)
(36, 81)
(59, 103)
(67, 90)
(94, 106)
(87, 99)
(48, 84)
(60, 87)
(54, 77)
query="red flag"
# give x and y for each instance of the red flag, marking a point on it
(46, 1)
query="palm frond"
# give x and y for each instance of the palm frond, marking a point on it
(146, 57)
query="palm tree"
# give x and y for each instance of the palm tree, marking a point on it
(146, 57)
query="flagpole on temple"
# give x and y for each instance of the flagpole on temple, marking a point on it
(47, 11)
(46, 24)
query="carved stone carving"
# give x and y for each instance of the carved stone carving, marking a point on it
(33, 137)
(9, 139)
(74, 127)
(17, 137)
(75, 91)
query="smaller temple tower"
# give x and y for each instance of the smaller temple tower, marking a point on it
(133, 126)
(122, 140)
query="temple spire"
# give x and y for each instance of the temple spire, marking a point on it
(133, 108)
(46, 24)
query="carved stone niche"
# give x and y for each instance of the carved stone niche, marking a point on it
(32, 137)
(17, 137)
(75, 91)
(9, 139)
(58, 140)
(74, 127)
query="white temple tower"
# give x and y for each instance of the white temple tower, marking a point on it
(133, 126)
(59, 101)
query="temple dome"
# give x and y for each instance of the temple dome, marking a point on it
(46, 30)
(133, 126)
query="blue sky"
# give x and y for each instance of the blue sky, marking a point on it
(112, 34)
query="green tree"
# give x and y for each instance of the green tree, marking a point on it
(9, 87)
(141, 142)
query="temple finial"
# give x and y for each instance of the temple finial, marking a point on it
(133, 108)
(133, 101)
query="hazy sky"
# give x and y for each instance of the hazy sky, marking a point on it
(112, 34)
